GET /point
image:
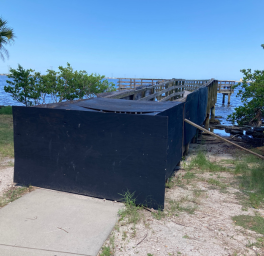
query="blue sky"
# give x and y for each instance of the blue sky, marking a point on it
(150, 39)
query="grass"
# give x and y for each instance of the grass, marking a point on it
(189, 175)
(131, 212)
(248, 169)
(158, 214)
(106, 251)
(176, 206)
(250, 174)
(254, 223)
(217, 183)
(6, 136)
(169, 183)
(13, 194)
(201, 162)
(6, 110)
(110, 248)
(259, 243)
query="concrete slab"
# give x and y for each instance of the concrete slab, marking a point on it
(48, 223)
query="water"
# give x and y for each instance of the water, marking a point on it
(220, 110)
(225, 110)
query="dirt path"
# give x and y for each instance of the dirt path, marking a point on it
(6, 174)
(197, 219)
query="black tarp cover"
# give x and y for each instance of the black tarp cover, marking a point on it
(202, 105)
(86, 151)
(191, 113)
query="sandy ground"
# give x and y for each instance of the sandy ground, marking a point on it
(209, 230)
(6, 174)
(197, 219)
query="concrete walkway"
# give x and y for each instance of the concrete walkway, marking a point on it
(51, 223)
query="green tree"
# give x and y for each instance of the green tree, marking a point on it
(32, 88)
(252, 96)
(6, 37)
(22, 86)
(251, 93)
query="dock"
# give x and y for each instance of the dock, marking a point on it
(226, 88)
(223, 86)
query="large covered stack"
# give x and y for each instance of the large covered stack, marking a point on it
(127, 141)
(99, 147)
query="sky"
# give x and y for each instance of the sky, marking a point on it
(188, 39)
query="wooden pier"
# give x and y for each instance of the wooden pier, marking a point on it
(131, 83)
(224, 86)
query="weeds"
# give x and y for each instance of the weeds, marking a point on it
(6, 136)
(6, 110)
(251, 179)
(197, 193)
(216, 183)
(13, 194)
(259, 243)
(254, 223)
(109, 250)
(159, 214)
(169, 183)
(176, 207)
(201, 162)
(124, 236)
(106, 251)
(189, 175)
(131, 211)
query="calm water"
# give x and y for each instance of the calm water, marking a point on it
(221, 110)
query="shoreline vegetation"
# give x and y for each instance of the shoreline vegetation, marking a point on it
(33, 88)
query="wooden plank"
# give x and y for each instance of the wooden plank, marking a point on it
(137, 82)
(160, 92)
(121, 94)
(171, 95)
(158, 79)
(221, 138)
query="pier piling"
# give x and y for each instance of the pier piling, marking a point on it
(229, 96)
(223, 101)
(213, 113)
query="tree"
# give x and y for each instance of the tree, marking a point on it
(251, 93)
(6, 37)
(32, 88)
(252, 96)
(22, 86)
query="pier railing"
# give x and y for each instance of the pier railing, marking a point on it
(225, 86)
(131, 83)
(158, 89)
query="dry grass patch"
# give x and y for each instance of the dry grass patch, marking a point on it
(13, 193)
(6, 136)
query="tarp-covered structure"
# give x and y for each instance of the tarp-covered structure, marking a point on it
(106, 146)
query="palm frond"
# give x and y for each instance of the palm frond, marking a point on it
(6, 37)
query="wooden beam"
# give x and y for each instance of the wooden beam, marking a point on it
(161, 92)
(171, 95)
(219, 137)
(121, 94)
